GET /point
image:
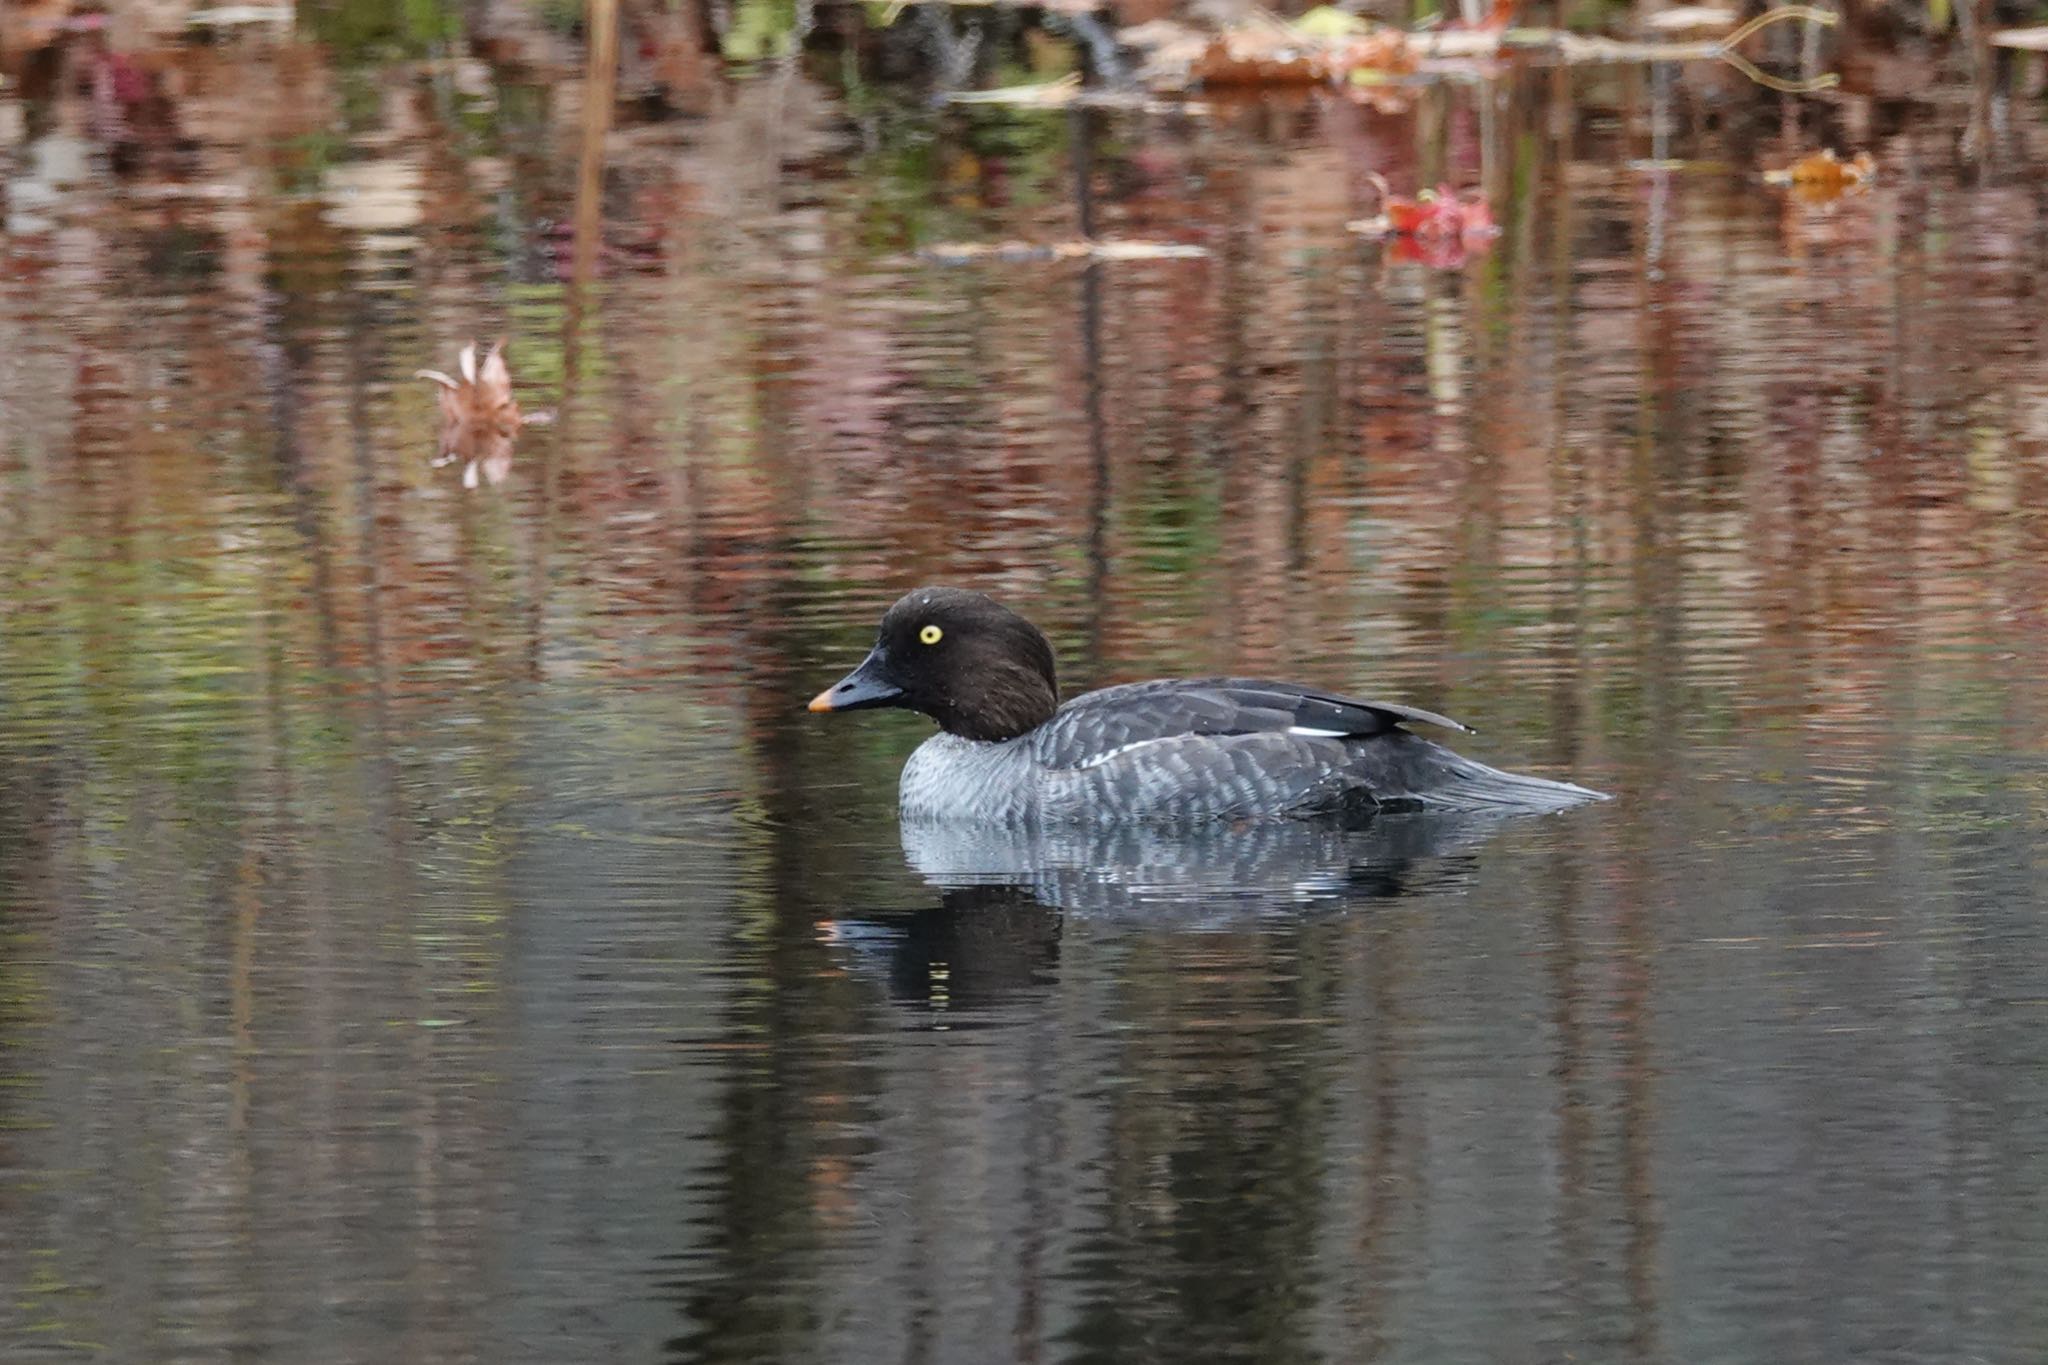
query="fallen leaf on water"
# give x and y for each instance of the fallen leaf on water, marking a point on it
(1144, 251)
(480, 419)
(1376, 56)
(1459, 40)
(1163, 51)
(1044, 95)
(1823, 175)
(1327, 21)
(1456, 45)
(1689, 21)
(893, 10)
(1436, 227)
(1262, 55)
(1322, 46)
(1068, 92)
(961, 253)
(236, 16)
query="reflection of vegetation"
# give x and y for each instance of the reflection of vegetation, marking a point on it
(363, 31)
(301, 161)
(362, 99)
(180, 257)
(292, 696)
(563, 16)
(760, 29)
(1213, 1207)
(936, 177)
(1169, 541)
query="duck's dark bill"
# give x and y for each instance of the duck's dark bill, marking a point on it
(863, 687)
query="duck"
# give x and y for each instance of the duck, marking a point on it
(1008, 752)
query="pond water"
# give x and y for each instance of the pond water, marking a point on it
(431, 928)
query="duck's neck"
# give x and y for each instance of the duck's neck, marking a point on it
(1007, 702)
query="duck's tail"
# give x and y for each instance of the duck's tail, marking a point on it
(1430, 776)
(1474, 786)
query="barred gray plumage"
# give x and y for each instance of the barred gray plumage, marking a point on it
(1213, 748)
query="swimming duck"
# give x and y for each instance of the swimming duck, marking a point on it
(1193, 749)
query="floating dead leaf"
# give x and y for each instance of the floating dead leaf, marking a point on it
(2023, 39)
(1069, 93)
(1145, 251)
(1329, 22)
(1436, 228)
(1823, 175)
(1457, 44)
(1045, 95)
(1262, 55)
(241, 16)
(480, 419)
(1264, 51)
(963, 253)
(1376, 56)
(1163, 52)
(1576, 49)
(1461, 40)
(1689, 21)
(894, 8)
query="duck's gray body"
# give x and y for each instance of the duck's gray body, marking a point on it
(1206, 749)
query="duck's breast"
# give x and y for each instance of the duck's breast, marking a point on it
(950, 778)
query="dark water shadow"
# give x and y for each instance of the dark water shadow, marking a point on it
(1004, 894)
(1205, 875)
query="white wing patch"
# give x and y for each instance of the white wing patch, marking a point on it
(1097, 760)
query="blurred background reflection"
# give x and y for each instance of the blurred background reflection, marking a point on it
(431, 929)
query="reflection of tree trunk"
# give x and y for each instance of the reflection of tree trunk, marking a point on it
(1086, 126)
(1045, 1167)
(1386, 1168)
(1658, 557)
(1635, 989)
(1895, 517)
(599, 86)
(1976, 42)
(1660, 584)
(1574, 1219)
(544, 513)
(788, 1072)
(681, 47)
(370, 546)
(281, 375)
(1566, 460)
(600, 81)
(435, 1126)
(1237, 395)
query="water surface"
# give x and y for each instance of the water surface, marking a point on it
(432, 930)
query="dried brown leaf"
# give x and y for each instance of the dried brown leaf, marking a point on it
(1262, 56)
(1823, 175)
(480, 418)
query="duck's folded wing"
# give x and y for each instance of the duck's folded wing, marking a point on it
(1100, 725)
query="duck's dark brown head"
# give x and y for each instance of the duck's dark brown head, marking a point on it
(976, 667)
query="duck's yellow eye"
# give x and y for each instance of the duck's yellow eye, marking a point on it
(931, 635)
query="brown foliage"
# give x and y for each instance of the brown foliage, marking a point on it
(1824, 176)
(480, 418)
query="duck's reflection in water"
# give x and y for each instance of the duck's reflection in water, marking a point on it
(1003, 892)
